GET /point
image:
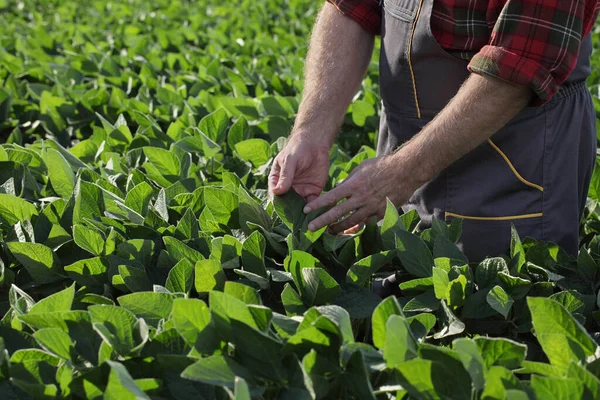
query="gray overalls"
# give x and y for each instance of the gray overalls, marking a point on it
(534, 173)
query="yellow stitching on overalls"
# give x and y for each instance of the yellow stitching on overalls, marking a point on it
(506, 218)
(514, 170)
(410, 67)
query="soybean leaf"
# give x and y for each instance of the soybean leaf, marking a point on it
(60, 301)
(190, 317)
(400, 344)
(121, 384)
(562, 338)
(88, 239)
(151, 306)
(499, 301)
(13, 209)
(209, 276)
(40, 261)
(382, 313)
(181, 277)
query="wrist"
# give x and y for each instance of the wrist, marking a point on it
(416, 168)
(313, 136)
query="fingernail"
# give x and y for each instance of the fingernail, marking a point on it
(306, 209)
(311, 227)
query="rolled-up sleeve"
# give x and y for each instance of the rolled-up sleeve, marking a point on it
(367, 13)
(536, 43)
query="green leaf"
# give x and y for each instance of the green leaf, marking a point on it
(591, 382)
(457, 291)
(89, 272)
(361, 110)
(444, 247)
(292, 302)
(289, 208)
(390, 226)
(421, 324)
(181, 277)
(60, 301)
(562, 338)
(60, 173)
(242, 292)
(56, 342)
(223, 204)
(251, 211)
(165, 162)
(471, 358)
(557, 388)
(382, 313)
(499, 301)
(179, 250)
(440, 282)
(239, 131)
(13, 209)
(256, 151)
(363, 269)
(134, 278)
(241, 389)
(88, 239)
(118, 327)
(488, 269)
(190, 317)
(414, 254)
(501, 352)
(214, 125)
(319, 286)
(516, 248)
(253, 254)
(121, 385)
(40, 261)
(209, 276)
(151, 306)
(450, 324)
(516, 287)
(138, 198)
(433, 380)
(400, 345)
(499, 383)
(89, 202)
(215, 370)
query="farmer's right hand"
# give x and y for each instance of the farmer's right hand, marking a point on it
(302, 164)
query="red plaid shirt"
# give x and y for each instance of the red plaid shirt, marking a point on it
(527, 42)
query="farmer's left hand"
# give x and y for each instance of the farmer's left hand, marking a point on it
(364, 193)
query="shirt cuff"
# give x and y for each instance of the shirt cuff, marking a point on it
(367, 13)
(511, 67)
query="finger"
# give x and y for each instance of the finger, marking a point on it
(286, 176)
(334, 214)
(353, 230)
(274, 176)
(311, 197)
(356, 218)
(329, 199)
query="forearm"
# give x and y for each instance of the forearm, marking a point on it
(481, 107)
(338, 57)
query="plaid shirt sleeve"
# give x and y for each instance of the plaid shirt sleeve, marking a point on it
(366, 12)
(536, 43)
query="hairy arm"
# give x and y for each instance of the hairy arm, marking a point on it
(338, 57)
(481, 107)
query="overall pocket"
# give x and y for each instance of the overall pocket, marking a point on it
(499, 184)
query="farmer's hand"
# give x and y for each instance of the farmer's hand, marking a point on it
(302, 164)
(364, 193)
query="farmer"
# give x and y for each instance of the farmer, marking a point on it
(485, 117)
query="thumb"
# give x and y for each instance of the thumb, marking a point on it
(286, 176)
